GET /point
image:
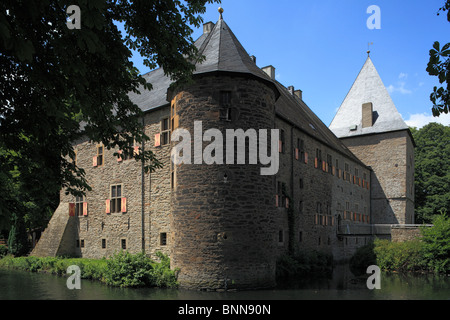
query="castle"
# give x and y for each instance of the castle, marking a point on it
(225, 225)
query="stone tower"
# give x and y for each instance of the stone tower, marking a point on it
(372, 128)
(223, 233)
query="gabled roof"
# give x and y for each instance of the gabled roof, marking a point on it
(368, 87)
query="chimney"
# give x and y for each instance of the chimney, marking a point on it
(207, 27)
(253, 58)
(367, 115)
(291, 89)
(270, 71)
(299, 93)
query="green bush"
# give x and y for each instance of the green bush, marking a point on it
(400, 256)
(436, 244)
(362, 259)
(123, 269)
(127, 270)
(3, 251)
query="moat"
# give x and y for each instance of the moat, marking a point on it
(20, 285)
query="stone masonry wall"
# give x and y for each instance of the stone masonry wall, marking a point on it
(320, 196)
(391, 156)
(223, 216)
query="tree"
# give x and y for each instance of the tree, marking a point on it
(437, 244)
(439, 65)
(59, 84)
(432, 171)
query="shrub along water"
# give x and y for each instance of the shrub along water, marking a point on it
(123, 269)
(429, 253)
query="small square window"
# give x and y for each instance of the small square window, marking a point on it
(103, 243)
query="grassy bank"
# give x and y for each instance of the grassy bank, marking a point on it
(122, 269)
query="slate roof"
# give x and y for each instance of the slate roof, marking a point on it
(224, 53)
(368, 87)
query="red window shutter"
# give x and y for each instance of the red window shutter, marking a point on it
(287, 203)
(280, 146)
(71, 209)
(276, 200)
(306, 157)
(157, 140)
(316, 163)
(296, 153)
(94, 161)
(333, 170)
(124, 205)
(85, 209)
(108, 206)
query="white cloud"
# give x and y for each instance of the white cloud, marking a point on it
(419, 120)
(399, 88)
(403, 75)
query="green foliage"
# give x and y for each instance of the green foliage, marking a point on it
(436, 244)
(304, 264)
(60, 84)
(127, 270)
(3, 251)
(432, 171)
(439, 66)
(400, 256)
(362, 259)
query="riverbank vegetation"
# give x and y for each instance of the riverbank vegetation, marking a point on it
(123, 269)
(429, 253)
(304, 264)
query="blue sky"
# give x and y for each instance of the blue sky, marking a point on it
(320, 47)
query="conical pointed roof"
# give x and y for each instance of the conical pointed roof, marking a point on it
(223, 52)
(368, 87)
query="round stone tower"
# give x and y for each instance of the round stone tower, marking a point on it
(222, 222)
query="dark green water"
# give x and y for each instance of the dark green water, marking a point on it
(19, 285)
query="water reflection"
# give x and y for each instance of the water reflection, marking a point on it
(18, 285)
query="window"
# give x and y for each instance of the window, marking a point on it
(82, 243)
(74, 160)
(79, 206)
(103, 243)
(301, 183)
(282, 142)
(99, 156)
(165, 132)
(300, 207)
(225, 105)
(329, 163)
(281, 198)
(123, 243)
(116, 199)
(163, 239)
(301, 147)
(280, 236)
(347, 172)
(318, 162)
